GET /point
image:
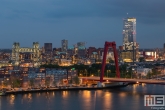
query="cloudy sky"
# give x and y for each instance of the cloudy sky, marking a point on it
(90, 21)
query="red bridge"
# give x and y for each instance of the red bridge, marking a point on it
(147, 81)
(118, 79)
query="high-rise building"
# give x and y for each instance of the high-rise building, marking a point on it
(129, 40)
(25, 55)
(48, 47)
(164, 51)
(64, 44)
(80, 44)
(129, 33)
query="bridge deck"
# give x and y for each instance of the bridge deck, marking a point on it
(149, 81)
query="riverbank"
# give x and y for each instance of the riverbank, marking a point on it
(107, 99)
(63, 89)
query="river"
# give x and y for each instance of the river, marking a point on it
(126, 98)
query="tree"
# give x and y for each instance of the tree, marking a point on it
(15, 82)
(70, 81)
(141, 59)
(129, 73)
(111, 61)
(10, 61)
(60, 81)
(149, 75)
(123, 68)
(159, 59)
(6, 83)
(154, 71)
(31, 82)
(54, 83)
(76, 80)
(47, 81)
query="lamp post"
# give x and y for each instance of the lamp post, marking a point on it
(132, 72)
(86, 72)
(98, 71)
(67, 73)
(71, 73)
(12, 84)
(107, 73)
(1, 84)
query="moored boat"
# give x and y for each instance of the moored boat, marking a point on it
(2, 93)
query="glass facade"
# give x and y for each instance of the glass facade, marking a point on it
(129, 33)
(64, 44)
(48, 47)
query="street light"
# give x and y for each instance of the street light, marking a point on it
(98, 71)
(86, 72)
(108, 71)
(2, 84)
(132, 72)
(71, 73)
(12, 85)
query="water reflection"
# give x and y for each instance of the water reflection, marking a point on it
(53, 94)
(64, 94)
(86, 94)
(128, 98)
(99, 93)
(88, 99)
(143, 84)
(107, 100)
(30, 96)
(12, 98)
(38, 94)
(122, 95)
(135, 86)
(0, 102)
(24, 96)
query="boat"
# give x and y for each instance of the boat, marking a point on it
(2, 93)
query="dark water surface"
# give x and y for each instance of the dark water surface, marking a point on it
(127, 98)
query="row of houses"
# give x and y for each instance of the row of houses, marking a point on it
(38, 76)
(143, 71)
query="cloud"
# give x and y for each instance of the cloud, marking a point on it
(146, 11)
(79, 20)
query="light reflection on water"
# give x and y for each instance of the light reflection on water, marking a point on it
(130, 98)
(12, 97)
(107, 100)
(64, 94)
(89, 97)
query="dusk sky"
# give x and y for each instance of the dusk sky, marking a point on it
(90, 21)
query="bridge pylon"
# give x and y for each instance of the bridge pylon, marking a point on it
(106, 46)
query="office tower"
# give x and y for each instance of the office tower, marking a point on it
(129, 40)
(48, 47)
(64, 44)
(129, 33)
(80, 44)
(164, 51)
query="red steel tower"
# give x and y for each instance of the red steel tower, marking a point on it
(106, 46)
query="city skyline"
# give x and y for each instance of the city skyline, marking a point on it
(93, 22)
